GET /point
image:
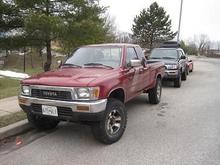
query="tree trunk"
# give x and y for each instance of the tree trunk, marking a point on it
(151, 42)
(47, 64)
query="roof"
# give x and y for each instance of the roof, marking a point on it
(169, 48)
(170, 44)
(111, 44)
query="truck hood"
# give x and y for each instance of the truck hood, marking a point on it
(165, 61)
(70, 77)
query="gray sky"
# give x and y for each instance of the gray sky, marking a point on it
(199, 16)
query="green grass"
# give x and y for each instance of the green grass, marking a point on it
(12, 118)
(32, 71)
(9, 87)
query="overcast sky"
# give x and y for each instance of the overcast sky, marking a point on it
(199, 16)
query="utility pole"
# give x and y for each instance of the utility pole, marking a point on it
(24, 60)
(180, 20)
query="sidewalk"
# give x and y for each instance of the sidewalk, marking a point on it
(12, 125)
(9, 106)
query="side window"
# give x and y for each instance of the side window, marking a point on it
(131, 54)
(139, 53)
(180, 53)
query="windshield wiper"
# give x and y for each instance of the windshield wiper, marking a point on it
(155, 58)
(168, 58)
(97, 64)
(72, 65)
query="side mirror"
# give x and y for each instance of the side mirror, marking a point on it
(135, 63)
(59, 63)
(183, 57)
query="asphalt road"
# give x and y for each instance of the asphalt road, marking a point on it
(184, 129)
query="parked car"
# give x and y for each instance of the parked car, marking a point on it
(190, 65)
(92, 87)
(175, 63)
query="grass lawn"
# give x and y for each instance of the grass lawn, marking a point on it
(9, 87)
(12, 118)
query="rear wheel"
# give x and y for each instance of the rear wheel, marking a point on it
(187, 71)
(41, 122)
(112, 127)
(191, 69)
(155, 93)
(178, 82)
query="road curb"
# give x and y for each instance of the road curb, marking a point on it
(15, 129)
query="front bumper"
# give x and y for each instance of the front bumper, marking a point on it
(67, 110)
(171, 74)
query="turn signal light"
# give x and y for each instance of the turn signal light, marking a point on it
(82, 108)
(22, 101)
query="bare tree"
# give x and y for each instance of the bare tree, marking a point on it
(111, 27)
(203, 43)
(124, 37)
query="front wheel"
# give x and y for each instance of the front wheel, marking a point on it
(184, 75)
(178, 82)
(112, 127)
(155, 93)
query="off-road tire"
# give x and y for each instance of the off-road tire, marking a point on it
(41, 122)
(100, 129)
(155, 93)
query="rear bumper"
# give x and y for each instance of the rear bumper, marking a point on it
(171, 74)
(70, 111)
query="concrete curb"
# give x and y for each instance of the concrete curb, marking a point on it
(15, 129)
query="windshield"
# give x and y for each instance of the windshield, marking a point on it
(164, 54)
(96, 56)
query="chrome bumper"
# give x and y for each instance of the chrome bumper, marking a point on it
(76, 106)
(172, 72)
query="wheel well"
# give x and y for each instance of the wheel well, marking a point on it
(118, 94)
(159, 76)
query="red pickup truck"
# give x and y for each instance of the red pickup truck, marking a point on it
(91, 87)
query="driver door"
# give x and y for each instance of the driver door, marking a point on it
(132, 75)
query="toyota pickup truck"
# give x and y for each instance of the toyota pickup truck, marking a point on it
(92, 87)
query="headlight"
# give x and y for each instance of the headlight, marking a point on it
(171, 66)
(90, 93)
(25, 90)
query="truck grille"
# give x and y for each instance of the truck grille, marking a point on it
(51, 94)
(62, 111)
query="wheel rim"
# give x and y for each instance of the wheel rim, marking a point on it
(159, 88)
(114, 122)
